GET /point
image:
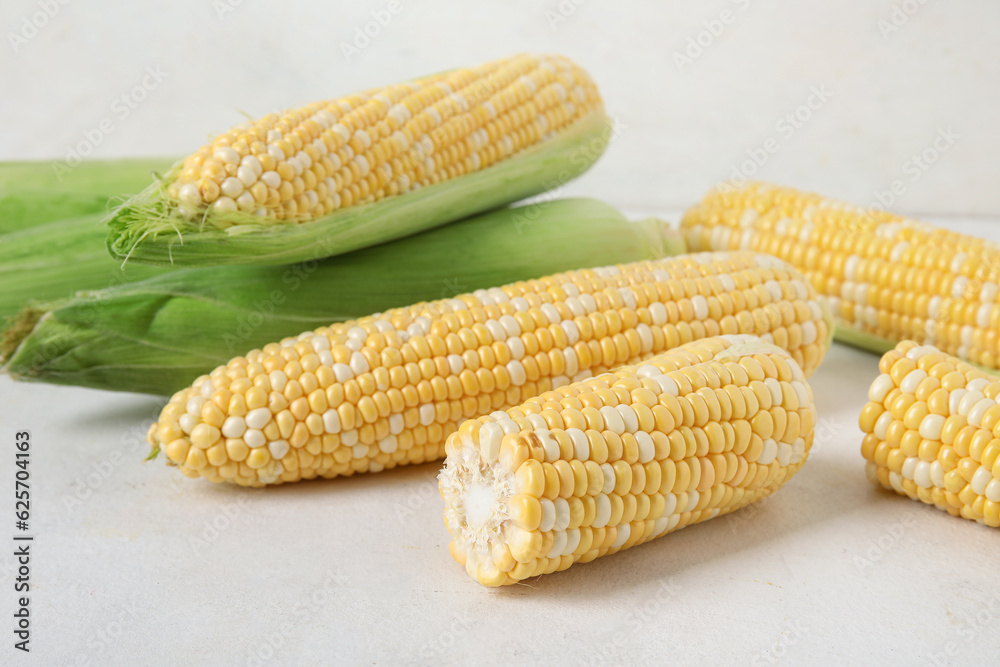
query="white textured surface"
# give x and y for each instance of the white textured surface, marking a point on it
(128, 568)
(683, 127)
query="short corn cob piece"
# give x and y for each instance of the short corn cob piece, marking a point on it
(387, 390)
(370, 167)
(888, 278)
(602, 465)
(932, 429)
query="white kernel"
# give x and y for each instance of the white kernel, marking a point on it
(427, 414)
(624, 531)
(581, 445)
(912, 380)
(550, 312)
(809, 333)
(667, 385)
(349, 438)
(516, 347)
(922, 474)
(271, 179)
(978, 384)
(359, 451)
(610, 479)
(955, 399)
(359, 364)
(784, 454)
(226, 155)
(537, 421)
(194, 405)
(588, 303)
(647, 450)
(232, 187)
(331, 421)
(628, 417)
(693, 498)
(548, 443)
(775, 388)
(496, 330)
(658, 312)
(278, 449)
(187, 422)
(258, 418)
(968, 402)
(246, 176)
(276, 152)
(234, 427)
(978, 411)
(254, 438)
(490, 435)
(909, 467)
(342, 372)
(516, 372)
(937, 474)
(992, 491)
(769, 452)
(882, 425)
(981, 479)
(388, 444)
(612, 419)
(189, 194)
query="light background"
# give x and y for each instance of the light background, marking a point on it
(684, 127)
(136, 565)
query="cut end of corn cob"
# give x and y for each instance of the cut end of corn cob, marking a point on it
(619, 459)
(387, 390)
(526, 112)
(932, 428)
(887, 278)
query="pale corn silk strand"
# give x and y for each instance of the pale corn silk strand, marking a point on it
(607, 463)
(887, 278)
(305, 163)
(932, 428)
(387, 390)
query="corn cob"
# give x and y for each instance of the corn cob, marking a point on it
(158, 335)
(35, 193)
(932, 432)
(601, 465)
(887, 278)
(344, 174)
(387, 390)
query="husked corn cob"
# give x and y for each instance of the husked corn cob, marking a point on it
(887, 277)
(388, 389)
(616, 460)
(932, 429)
(539, 116)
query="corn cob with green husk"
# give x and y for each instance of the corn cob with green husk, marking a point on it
(159, 335)
(888, 278)
(932, 432)
(586, 470)
(35, 193)
(343, 174)
(386, 390)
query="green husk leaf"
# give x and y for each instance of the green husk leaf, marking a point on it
(38, 192)
(56, 259)
(158, 335)
(149, 229)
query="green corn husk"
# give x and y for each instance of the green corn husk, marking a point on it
(35, 193)
(158, 335)
(57, 259)
(149, 229)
